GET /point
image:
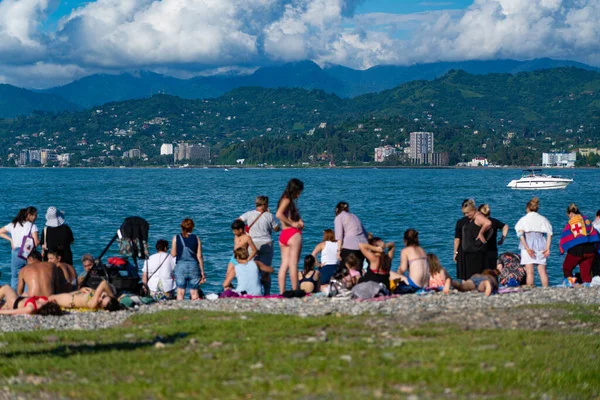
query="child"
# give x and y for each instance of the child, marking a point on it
(354, 268)
(241, 240)
(329, 249)
(308, 279)
(485, 282)
(438, 277)
(247, 273)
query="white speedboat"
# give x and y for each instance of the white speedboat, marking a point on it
(534, 179)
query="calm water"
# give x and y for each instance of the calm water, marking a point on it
(388, 201)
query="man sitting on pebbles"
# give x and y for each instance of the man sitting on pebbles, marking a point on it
(40, 278)
(55, 257)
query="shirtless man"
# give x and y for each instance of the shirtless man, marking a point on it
(241, 240)
(40, 278)
(70, 276)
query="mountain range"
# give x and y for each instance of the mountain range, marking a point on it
(508, 118)
(345, 82)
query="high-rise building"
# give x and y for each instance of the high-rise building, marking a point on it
(34, 156)
(166, 149)
(193, 152)
(437, 159)
(47, 156)
(559, 159)
(23, 157)
(421, 143)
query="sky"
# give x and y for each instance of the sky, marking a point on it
(45, 43)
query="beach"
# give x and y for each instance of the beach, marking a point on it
(470, 310)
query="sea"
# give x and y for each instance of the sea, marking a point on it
(388, 201)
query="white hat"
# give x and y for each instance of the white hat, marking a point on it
(54, 217)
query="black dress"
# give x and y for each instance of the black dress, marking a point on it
(59, 238)
(474, 250)
(492, 245)
(460, 257)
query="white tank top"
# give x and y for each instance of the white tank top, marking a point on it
(329, 254)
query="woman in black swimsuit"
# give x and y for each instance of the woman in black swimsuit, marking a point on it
(308, 279)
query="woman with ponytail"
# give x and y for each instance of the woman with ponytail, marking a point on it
(290, 239)
(21, 227)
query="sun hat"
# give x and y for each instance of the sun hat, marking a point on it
(54, 217)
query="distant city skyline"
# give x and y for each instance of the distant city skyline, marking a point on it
(45, 43)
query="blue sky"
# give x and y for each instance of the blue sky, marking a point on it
(410, 6)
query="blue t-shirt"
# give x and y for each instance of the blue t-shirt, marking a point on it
(248, 279)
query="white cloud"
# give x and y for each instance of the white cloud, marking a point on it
(41, 75)
(185, 37)
(520, 29)
(19, 36)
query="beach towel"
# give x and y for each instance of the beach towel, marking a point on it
(579, 230)
(533, 222)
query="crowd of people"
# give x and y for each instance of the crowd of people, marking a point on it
(348, 259)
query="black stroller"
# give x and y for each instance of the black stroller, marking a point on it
(119, 272)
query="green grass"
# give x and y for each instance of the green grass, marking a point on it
(216, 355)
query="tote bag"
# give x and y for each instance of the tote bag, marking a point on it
(27, 245)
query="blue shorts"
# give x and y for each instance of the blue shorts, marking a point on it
(412, 284)
(187, 274)
(327, 272)
(233, 260)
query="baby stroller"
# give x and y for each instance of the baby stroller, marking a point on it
(119, 272)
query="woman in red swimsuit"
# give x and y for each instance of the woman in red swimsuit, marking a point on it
(15, 305)
(290, 239)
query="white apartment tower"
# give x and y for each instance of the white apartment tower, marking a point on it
(166, 149)
(421, 143)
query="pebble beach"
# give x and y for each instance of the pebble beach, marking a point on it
(470, 310)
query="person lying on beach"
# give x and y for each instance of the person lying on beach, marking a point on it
(485, 282)
(102, 298)
(438, 276)
(13, 304)
(55, 257)
(39, 278)
(247, 273)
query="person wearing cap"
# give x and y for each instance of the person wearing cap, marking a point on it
(57, 235)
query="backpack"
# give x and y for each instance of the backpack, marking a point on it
(368, 290)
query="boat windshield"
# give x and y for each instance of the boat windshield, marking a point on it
(531, 173)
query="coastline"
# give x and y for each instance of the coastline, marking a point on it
(283, 167)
